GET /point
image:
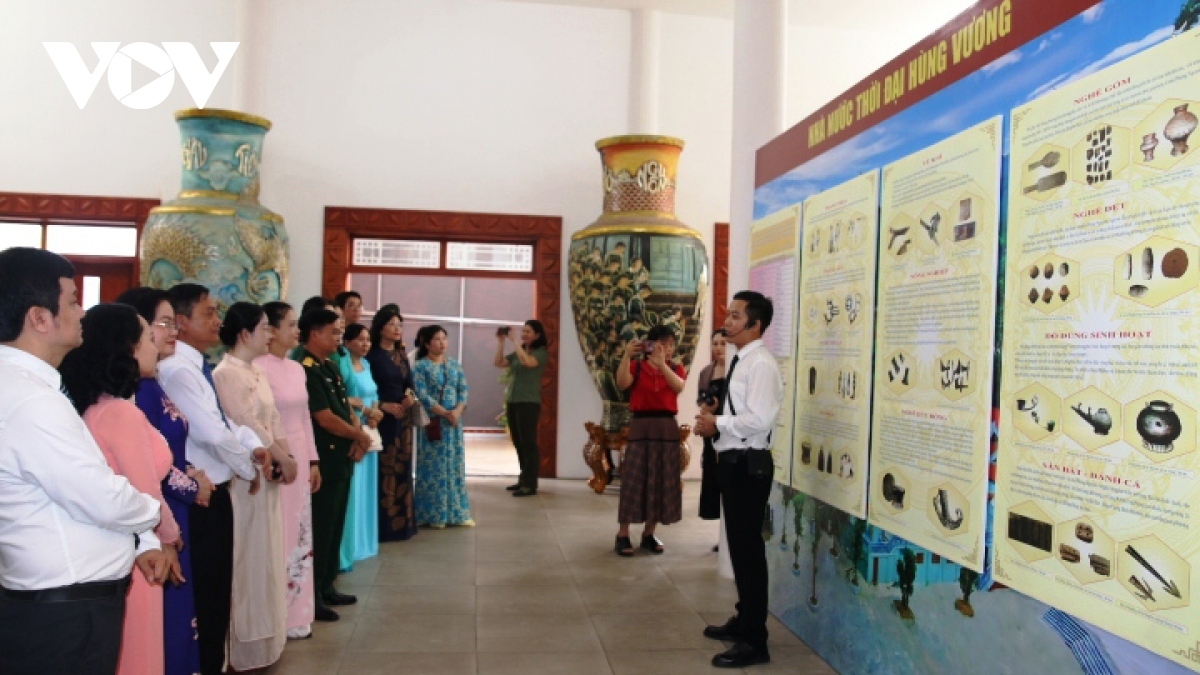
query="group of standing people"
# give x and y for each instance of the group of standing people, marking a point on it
(121, 446)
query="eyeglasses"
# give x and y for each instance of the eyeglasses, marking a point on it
(167, 325)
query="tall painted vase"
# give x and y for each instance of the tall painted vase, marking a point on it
(637, 266)
(215, 233)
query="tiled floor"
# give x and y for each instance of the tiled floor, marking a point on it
(536, 589)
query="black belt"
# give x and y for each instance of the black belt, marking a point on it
(91, 590)
(650, 414)
(735, 456)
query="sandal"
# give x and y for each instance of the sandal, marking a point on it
(652, 544)
(624, 547)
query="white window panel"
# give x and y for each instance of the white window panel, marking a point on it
(489, 257)
(101, 240)
(397, 253)
(91, 292)
(13, 235)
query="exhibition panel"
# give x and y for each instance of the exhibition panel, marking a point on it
(937, 305)
(774, 266)
(833, 358)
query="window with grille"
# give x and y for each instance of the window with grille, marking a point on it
(397, 253)
(489, 257)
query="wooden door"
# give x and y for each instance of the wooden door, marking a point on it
(113, 275)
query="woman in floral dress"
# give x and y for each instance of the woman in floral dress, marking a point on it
(441, 386)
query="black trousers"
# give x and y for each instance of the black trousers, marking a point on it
(82, 637)
(211, 530)
(329, 522)
(744, 498)
(523, 425)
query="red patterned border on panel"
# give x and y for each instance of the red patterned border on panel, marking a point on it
(720, 296)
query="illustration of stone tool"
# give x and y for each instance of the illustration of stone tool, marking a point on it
(1144, 591)
(1048, 161)
(941, 507)
(896, 234)
(931, 227)
(1168, 586)
(1054, 180)
(899, 370)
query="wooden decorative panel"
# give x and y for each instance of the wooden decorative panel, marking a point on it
(720, 300)
(343, 224)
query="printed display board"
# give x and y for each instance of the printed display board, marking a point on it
(837, 326)
(774, 264)
(934, 345)
(1097, 509)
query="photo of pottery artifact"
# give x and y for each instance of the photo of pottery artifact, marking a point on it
(1174, 263)
(1064, 293)
(1068, 553)
(1049, 272)
(1100, 565)
(1033, 295)
(1149, 142)
(1179, 128)
(964, 231)
(1064, 269)
(1100, 421)
(931, 227)
(1049, 160)
(846, 469)
(941, 508)
(1031, 406)
(964, 209)
(1147, 263)
(1051, 182)
(893, 493)
(1138, 290)
(806, 453)
(1047, 296)
(1084, 533)
(1029, 531)
(1158, 424)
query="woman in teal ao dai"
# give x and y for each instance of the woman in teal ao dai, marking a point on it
(440, 493)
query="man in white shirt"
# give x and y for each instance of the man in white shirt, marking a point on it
(222, 449)
(741, 427)
(70, 529)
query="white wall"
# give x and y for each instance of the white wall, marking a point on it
(462, 105)
(48, 144)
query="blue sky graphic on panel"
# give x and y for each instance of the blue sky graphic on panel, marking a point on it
(1096, 39)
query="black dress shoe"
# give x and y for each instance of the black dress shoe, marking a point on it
(524, 492)
(514, 487)
(727, 632)
(741, 655)
(323, 613)
(336, 599)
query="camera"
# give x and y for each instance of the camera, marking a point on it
(709, 396)
(648, 346)
(502, 331)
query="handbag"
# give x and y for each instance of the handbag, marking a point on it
(416, 413)
(433, 428)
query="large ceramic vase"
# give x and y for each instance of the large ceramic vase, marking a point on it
(637, 266)
(215, 233)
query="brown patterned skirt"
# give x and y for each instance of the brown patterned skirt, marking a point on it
(651, 490)
(396, 522)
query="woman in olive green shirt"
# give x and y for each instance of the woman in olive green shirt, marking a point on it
(524, 406)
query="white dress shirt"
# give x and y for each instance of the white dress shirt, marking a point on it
(755, 394)
(65, 517)
(218, 446)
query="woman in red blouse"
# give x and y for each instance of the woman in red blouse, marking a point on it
(651, 490)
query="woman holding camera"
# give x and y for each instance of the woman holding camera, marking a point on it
(525, 365)
(651, 490)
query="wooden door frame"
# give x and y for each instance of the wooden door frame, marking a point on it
(720, 297)
(343, 224)
(40, 208)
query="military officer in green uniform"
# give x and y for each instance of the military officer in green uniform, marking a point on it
(340, 444)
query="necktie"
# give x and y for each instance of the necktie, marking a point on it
(208, 370)
(728, 381)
